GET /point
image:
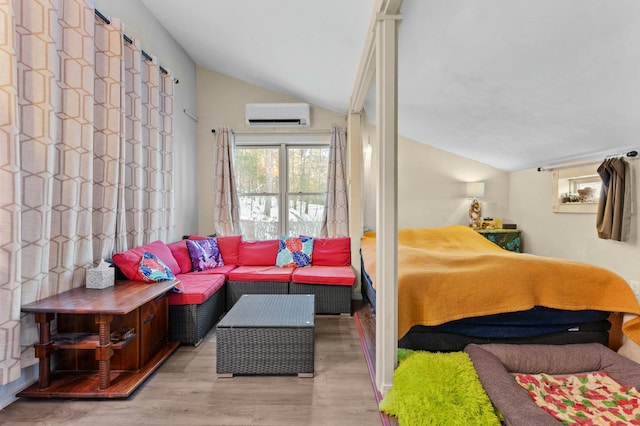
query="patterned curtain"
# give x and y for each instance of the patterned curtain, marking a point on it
(63, 204)
(613, 219)
(226, 211)
(10, 203)
(148, 170)
(167, 208)
(336, 214)
(108, 138)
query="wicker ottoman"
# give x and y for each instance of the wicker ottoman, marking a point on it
(270, 334)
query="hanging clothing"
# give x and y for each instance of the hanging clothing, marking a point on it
(613, 217)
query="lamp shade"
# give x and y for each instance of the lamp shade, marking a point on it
(475, 189)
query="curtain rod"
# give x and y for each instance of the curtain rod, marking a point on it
(281, 132)
(130, 41)
(632, 155)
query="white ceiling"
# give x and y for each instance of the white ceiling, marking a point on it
(514, 84)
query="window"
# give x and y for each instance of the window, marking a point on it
(282, 185)
(576, 189)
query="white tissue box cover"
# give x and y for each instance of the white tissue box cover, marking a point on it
(100, 277)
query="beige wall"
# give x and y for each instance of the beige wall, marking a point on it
(431, 186)
(221, 102)
(568, 235)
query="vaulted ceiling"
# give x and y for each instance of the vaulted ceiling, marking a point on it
(514, 84)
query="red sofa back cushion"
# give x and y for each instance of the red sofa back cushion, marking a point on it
(129, 261)
(331, 251)
(181, 254)
(258, 253)
(229, 246)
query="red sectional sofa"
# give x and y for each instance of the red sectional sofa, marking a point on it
(249, 268)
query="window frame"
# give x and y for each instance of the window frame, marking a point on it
(563, 181)
(283, 143)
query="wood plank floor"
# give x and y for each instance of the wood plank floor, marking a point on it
(366, 323)
(186, 391)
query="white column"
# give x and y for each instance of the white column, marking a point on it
(386, 202)
(354, 144)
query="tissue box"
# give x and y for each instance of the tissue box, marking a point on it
(100, 277)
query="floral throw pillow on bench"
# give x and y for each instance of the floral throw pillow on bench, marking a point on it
(295, 252)
(153, 269)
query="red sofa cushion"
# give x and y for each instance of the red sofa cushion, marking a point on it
(224, 270)
(197, 288)
(261, 273)
(198, 237)
(331, 251)
(229, 246)
(129, 261)
(258, 253)
(331, 275)
(181, 255)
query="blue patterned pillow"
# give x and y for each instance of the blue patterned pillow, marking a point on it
(295, 252)
(204, 254)
(153, 269)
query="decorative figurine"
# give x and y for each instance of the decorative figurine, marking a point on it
(474, 214)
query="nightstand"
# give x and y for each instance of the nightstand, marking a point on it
(508, 239)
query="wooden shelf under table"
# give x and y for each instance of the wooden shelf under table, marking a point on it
(85, 384)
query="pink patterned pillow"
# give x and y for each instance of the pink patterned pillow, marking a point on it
(205, 254)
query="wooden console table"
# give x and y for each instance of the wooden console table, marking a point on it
(107, 342)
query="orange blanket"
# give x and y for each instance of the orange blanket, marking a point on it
(449, 273)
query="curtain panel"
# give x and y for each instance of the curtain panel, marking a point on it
(69, 151)
(613, 219)
(336, 214)
(226, 211)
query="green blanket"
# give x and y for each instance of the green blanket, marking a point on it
(437, 389)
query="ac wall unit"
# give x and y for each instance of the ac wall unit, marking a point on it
(278, 115)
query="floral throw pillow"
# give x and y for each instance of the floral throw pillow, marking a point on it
(295, 252)
(153, 269)
(204, 254)
(591, 398)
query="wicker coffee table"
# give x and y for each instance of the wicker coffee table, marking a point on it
(270, 334)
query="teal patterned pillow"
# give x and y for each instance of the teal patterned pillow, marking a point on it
(153, 269)
(295, 252)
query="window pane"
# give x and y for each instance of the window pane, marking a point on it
(587, 188)
(308, 169)
(259, 217)
(305, 214)
(257, 170)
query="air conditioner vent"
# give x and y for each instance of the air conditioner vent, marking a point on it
(278, 115)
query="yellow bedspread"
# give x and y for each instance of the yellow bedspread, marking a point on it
(453, 272)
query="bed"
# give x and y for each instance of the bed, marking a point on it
(455, 287)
